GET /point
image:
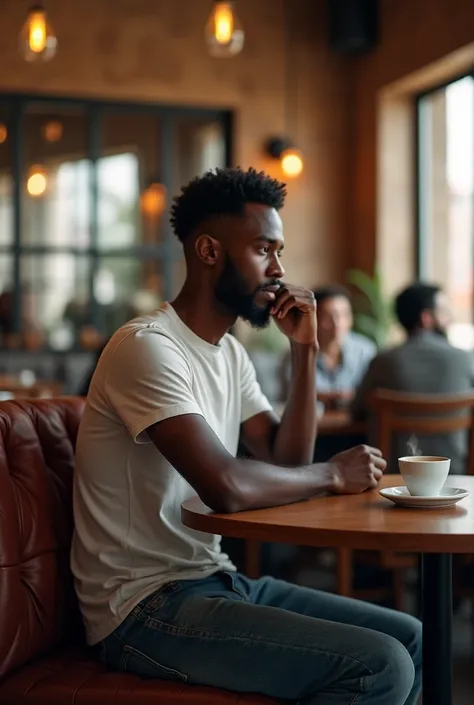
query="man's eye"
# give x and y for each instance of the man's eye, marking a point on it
(265, 250)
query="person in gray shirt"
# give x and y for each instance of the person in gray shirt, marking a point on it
(425, 363)
(343, 354)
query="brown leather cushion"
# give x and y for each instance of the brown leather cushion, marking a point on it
(71, 678)
(38, 609)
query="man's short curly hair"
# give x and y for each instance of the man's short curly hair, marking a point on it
(222, 192)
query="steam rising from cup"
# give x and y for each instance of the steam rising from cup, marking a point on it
(413, 447)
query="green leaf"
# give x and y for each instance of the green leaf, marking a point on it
(364, 283)
(365, 324)
(373, 314)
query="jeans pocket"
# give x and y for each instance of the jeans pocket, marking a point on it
(135, 661)
(235, 587)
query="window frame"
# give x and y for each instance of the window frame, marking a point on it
(421, 167)
(167, 252)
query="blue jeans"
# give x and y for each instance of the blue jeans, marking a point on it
(270, 637)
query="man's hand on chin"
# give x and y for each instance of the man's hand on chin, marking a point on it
(294, 312)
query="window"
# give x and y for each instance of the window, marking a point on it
(446, 198)
(85, 242)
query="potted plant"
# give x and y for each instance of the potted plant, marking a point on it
(373, 310)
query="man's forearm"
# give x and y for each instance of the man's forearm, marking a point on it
(296, 435)
(251, 484)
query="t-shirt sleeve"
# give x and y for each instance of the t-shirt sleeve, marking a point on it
(253, 400)
(149, 380)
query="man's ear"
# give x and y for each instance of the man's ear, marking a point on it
(208, 249)
(427, 319)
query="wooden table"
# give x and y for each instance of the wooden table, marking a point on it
(334, 423)
(340, 423)
(368, 521)
(12, 385)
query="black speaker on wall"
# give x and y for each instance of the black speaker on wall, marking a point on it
(352, 25)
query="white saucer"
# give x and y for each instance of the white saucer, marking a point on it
(447, 497)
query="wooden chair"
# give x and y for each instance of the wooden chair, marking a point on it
(423, 414)
(427, 415)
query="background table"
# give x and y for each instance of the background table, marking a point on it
(340, 423)
(370, 522)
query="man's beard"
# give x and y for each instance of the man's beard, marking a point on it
(232, 291)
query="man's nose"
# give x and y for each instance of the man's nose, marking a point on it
(275, 269)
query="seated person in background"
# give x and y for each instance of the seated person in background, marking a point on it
(343, 355)
(171, 395)
(425, 363)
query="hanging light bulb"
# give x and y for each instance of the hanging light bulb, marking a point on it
(224, 33)
(3, 133)
(292, 162)
(290, 158)
(37, 182)
(37, 38)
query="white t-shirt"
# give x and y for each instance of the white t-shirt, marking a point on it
(129, 539)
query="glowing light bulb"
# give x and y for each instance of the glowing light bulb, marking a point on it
(3, 133)
(37, 182)
(53, 131)
(292, 162)
(224, 33)
(37, 38)
(224, 25)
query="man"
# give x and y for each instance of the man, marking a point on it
(343, 355)
(425, 364)
(171, 395)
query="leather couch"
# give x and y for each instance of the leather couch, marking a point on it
(43, 656)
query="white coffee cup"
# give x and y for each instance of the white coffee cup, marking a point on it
(424, 475)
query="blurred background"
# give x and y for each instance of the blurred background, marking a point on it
(107, 108)
(365, 108)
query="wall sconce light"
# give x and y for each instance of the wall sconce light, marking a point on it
(224, 32)
(153, 200)
(3, 133)
(37, 182)
(52, 131)
(37, 38)
(291, 158)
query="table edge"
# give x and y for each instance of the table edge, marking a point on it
(242, 526)
(328, 538)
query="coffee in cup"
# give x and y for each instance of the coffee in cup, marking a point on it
(424, 475)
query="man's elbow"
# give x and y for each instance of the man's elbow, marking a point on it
(226, 502)
(226, 497)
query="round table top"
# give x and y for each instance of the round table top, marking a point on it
(364, 521)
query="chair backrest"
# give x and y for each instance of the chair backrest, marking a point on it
(427, 414)
(38, 608)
